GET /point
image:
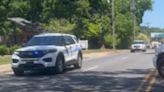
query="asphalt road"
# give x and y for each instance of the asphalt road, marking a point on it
(128, 72)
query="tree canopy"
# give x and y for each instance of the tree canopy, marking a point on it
(87, 19)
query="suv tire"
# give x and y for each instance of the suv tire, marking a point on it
(160, 67)
(132, 51)
(59, 67)
(144, 50)
(18, 72)
(79, 62)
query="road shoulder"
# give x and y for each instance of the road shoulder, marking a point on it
(7, 67)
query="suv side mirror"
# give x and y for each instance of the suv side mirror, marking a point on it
(67, 43)
(24, 45)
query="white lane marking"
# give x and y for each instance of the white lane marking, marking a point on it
(123, 58)
(91, 68)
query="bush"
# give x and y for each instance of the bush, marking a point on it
(13, 48)
(4, 50)
(108, 41)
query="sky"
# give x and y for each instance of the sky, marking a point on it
(155, 18)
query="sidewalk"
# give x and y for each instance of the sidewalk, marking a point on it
(101, 54)
(7, 67)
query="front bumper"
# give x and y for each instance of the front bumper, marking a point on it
(33, 63)
(138, 49)
(30, 67)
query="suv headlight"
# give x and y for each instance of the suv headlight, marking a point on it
(132, 47)
(16, 53)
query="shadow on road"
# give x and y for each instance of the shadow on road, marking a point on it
(91, 81)
(158, 85)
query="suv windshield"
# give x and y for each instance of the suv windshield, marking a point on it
(45, 40)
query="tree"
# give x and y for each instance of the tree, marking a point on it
(124, 30)
(87, 19)
(144, 37)
(59, 25)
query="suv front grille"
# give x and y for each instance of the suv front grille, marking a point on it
(31, 66)
(31, 54)
(136, 46)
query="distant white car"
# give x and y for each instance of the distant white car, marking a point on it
(138, 45)
(155, 44)
(158, 60)
(47, 52)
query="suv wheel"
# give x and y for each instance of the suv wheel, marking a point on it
(144, 50)
(79, 62)
(59, 68)
(161, 70)
(18, 72)
(132, 51)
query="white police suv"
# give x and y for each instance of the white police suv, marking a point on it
(49, 52)
(158, 60)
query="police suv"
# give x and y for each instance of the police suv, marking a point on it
(158, 60)
(50, 52)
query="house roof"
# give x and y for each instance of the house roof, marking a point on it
(20, 21)
(25, 24)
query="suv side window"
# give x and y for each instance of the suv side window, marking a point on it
(61, 41)
(69, 40)
(75, 39)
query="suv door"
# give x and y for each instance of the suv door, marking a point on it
(75, 48)
(71, 45)
(68, 46)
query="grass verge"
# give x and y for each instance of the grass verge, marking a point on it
(96, 50)
(4, 60)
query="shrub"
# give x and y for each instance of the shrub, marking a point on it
(13, 48)
(4, 50)
(108, 40)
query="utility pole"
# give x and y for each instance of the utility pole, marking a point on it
(113, 24)
(147, 25)
(148, 33)
(133, 8)
(134, 28)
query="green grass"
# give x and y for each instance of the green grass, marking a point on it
(96, 50)
(4, 60)
(102, 50)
